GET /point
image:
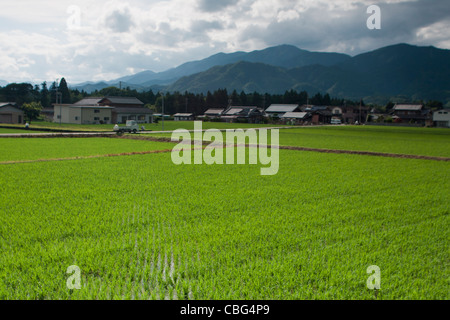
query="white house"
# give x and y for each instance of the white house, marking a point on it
(183, 116)
(441, 118)
(79, 114)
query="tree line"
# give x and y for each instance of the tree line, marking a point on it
(34, 98)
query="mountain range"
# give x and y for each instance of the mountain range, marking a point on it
(403, 71)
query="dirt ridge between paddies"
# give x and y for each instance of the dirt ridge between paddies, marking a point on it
(87, 157)
(336, 151)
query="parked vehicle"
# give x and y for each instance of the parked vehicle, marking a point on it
(130, 126)
(336, 121)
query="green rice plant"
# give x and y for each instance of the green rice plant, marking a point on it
(140, 227)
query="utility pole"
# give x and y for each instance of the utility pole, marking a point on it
(162, 94)
(360, 103)
(58, 94)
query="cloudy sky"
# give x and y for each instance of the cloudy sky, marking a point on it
(85, 40)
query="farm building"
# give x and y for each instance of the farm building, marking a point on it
(10, 113)
(127, 108)
(441, 118)
(79, 114)
(122, 109)
(212, 114)
(410, 113)
(121, 102)
(243, 114)
(296, 117)
(183, 116)
(141, 115)
(350, 114)
(278, 110)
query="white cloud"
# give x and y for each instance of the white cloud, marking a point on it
(116, 38)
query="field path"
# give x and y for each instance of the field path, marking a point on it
(87, 157)
(164, 139)
(337, 151)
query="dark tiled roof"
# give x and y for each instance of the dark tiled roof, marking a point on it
(122, 100)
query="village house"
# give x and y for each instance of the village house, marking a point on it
(278, 110)
(94, 110)
(318, 114)
(441, 118)
(127, 108)
(212, 113)
(10, 113)
(296, 118)
(82, 114)
(183, 116)
(350, 114)
(410, 113)
(243, 114)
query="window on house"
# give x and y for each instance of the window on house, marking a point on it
(106, 118)
(96, 118)
(96, 111)
(77, 118)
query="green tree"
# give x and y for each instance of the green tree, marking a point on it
(32, 110)
(151, 107)
(64, 89)
(45, 96)
(389, 106)
(434, 105)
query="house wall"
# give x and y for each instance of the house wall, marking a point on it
(76, 115)
(89, 116)
(61, 114)
(183, 118)
(442, 118)
(121, 118)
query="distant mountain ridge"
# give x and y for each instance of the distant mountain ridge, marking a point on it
(399, 70)
(286, 56)
(402, 71)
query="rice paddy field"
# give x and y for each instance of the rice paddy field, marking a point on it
(140, 227)
(8, 130)
(169, 125)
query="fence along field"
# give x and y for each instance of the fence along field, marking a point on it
(140, 227)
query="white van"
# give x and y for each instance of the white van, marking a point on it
(336, 121)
